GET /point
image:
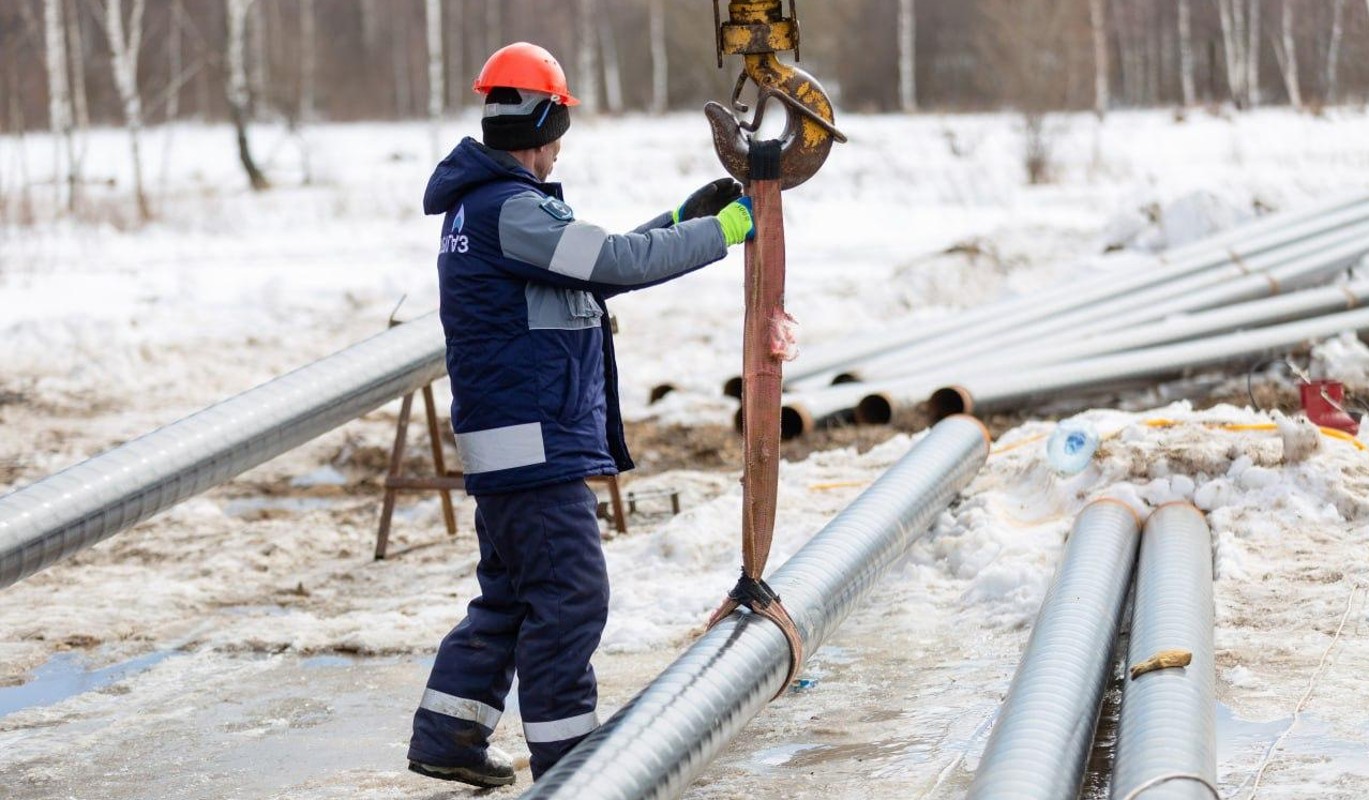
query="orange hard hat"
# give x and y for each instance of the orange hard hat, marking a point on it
(522, 65)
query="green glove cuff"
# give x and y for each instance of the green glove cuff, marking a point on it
(737, 223)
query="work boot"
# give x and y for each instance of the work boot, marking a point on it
(496, 769)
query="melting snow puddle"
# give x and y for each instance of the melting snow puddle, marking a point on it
(270, 726)
(326, 475)
(66, 675)
(783, 754)
(324, 662)
(1246, 743)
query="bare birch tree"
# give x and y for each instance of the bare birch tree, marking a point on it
(456, 53)
(76, 52)
(1333, 52)
(1234, 43)
(239, 96)
(124, 47)
(80, 100)
(259, 64)
(436, 89)
(660, 65)
(613, 73)
(59, 105)
(306, 108)
(370, 27)
(1098, 22)
(177, 76)
(174, 60)
(907, 55)
(587, 72)
(1286, 51)
(1252, 54)
(1186, 82)
(308, 62)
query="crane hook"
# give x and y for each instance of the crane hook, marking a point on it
(756, 30)
(808, 132)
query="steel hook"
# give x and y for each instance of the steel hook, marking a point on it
(808, 132)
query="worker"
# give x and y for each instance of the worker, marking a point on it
(535, 410)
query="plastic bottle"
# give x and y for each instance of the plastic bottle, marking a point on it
(1071, 447)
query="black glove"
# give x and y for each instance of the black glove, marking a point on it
(708, 200)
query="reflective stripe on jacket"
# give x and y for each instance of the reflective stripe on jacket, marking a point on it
(529, 350)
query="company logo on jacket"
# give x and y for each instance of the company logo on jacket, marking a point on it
(455, 241)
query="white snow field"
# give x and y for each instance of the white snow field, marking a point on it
(245, 644)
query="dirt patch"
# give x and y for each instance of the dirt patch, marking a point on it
(10, 471)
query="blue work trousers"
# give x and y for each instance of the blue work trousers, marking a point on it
(541, 610)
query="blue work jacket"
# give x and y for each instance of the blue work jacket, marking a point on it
(529, 349)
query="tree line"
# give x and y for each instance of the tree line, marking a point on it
(68, 64)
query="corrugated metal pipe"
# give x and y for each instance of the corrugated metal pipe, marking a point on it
(1166, 739)
(886, 398)
(91, 501)
(1259, 241)
(984, 394)
(1040, 745)
(664, 737)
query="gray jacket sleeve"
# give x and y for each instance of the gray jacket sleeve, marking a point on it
(662, 220)
(587, 253)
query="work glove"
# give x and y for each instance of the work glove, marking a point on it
(736, 220)
(708, 200)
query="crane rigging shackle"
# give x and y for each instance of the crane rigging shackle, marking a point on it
(757, 30)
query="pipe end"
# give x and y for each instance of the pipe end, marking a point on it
(1135, 515)
(875, 409)
(949, 401)
(1177, 504)
(795, 421)
(983, 429)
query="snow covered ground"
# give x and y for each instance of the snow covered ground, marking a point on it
(254, 650)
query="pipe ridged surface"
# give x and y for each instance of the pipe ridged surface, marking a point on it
(1243, 244)
(665, 736)
(91, 501)
(1168, 725)
(882, 399)
(1040, 745)
(983, 394)
(1236, 281)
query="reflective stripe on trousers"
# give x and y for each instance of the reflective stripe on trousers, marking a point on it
(559, 730)
(542, 606)
(462, 708)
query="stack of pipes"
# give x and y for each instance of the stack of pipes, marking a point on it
(1258, 289)
(1040, 745)
(1166, 738)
